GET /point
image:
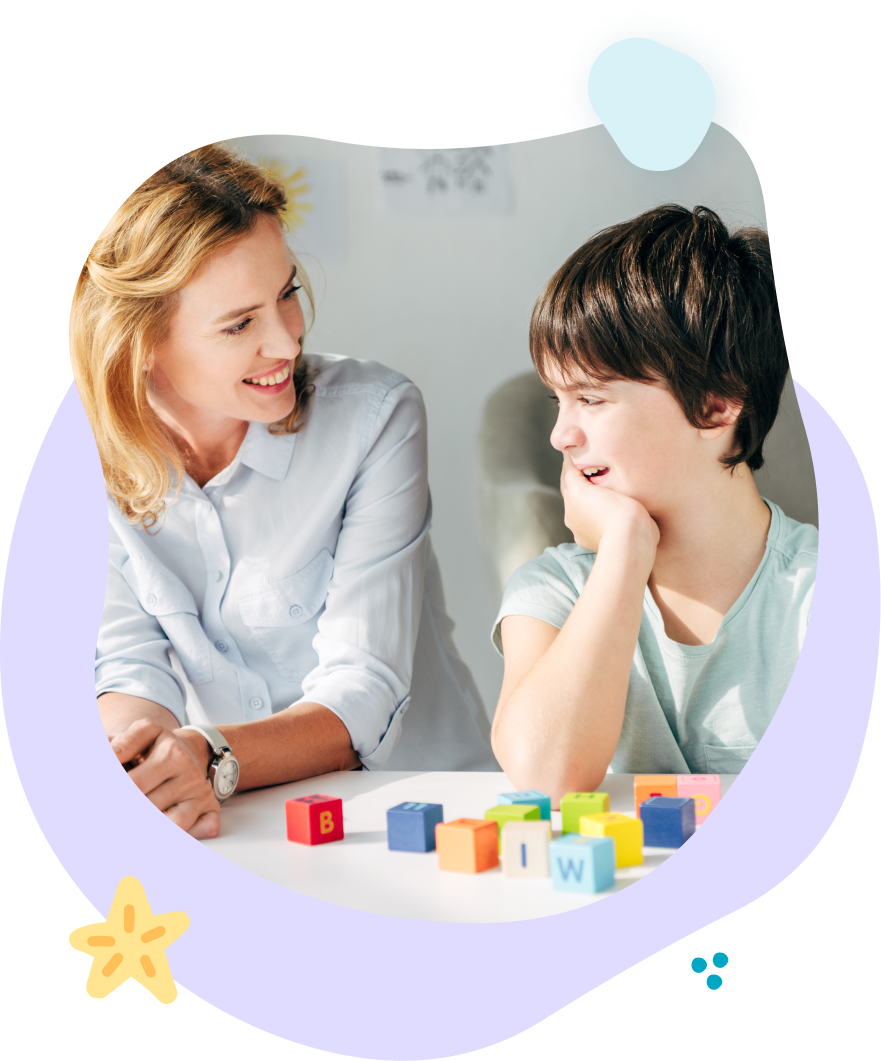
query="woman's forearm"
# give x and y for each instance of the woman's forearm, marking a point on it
(303, 741)
(119, 710)
(559, 721)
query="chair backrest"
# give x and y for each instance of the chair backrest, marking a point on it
(521, 508)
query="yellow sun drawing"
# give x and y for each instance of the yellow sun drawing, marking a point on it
(295, 186)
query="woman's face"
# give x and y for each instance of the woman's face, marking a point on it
(234, 337)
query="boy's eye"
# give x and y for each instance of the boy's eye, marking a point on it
(591, 401)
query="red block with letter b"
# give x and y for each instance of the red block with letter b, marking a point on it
(314, 819)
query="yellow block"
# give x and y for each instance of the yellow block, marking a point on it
(625, 831)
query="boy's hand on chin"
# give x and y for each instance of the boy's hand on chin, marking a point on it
(594, 512)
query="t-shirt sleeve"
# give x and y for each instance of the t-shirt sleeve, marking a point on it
(545, 588)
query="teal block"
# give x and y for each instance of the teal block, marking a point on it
(582, 863)
(540, 799)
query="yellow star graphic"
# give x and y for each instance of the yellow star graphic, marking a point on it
(131, 942)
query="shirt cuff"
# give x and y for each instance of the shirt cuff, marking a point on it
(160, 688)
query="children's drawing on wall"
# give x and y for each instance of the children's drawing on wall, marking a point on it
(470, 179)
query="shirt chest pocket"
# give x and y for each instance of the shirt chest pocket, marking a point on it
(162, 595)
(283, 617)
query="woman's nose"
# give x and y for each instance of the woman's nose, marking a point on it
(281, 341)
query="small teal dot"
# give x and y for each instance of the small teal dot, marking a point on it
(720, 960)
(714, 982)
(698, 965)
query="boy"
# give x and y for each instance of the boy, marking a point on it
(663, 640)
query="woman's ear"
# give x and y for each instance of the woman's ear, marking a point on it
(720, 415)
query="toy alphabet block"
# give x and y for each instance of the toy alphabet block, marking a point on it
(704, 789)
(512, 812)
(582, 863)
(531, 795)
(574, 804)
(314, 819)
(625, 831)
(667, 821)
(525, 849)
(467, 845)
(647, 785)
(411, 826)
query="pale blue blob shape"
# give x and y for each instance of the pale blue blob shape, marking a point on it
(656, 103)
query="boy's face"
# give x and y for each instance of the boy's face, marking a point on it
(633, 437)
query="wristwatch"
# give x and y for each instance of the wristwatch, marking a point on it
(223, 771)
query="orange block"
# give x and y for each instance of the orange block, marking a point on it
(647, 785)
(467, 845)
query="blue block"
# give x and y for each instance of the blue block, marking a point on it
(667, 821)
(411, 826)
(582, 863)
(540, 799)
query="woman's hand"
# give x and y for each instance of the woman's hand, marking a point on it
(592, 512)
(171, 768)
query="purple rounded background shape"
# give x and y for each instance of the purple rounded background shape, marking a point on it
(293, 965)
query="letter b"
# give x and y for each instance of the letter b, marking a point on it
(325, 821)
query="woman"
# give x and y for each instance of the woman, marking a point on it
(270, 571)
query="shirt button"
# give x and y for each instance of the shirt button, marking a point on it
(218, 575)
(221, 646)
(150, 599)
(295, 610)
(256, 703)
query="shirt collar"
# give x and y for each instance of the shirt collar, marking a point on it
(270, 455)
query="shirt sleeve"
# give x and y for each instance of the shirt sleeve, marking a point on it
(132, 653)
(367, 633)
(544, 588)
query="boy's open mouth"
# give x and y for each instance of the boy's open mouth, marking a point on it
(594, 474)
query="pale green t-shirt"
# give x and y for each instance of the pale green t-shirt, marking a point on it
(694, 709)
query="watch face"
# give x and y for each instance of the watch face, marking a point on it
(225, 778)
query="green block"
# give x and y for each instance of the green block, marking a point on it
(574, 804)
(512, 812)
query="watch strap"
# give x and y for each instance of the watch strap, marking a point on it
(214, 737)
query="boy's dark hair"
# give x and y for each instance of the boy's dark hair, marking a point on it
(672, 294)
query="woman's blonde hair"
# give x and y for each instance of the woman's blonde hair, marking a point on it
(125, 299)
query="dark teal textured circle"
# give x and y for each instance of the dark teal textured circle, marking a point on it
(720, 960)
(714, 982)
(698, 965)
(736, 105)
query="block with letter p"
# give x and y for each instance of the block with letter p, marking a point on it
(574, 804)
(525, 849)
(315, 819)
(704, 789)
(582, 863)
(645, 786)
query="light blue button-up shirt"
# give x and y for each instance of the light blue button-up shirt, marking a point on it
(303, 573)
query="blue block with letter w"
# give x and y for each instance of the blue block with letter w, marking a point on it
(582, 863)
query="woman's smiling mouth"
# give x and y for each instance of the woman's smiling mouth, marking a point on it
(272, 379)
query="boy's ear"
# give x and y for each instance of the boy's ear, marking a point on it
(721, 413)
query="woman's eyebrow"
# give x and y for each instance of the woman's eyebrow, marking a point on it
(250, 309)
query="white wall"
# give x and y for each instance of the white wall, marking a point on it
(446, 299)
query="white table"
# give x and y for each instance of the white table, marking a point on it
(361, 872)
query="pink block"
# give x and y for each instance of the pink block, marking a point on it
(704, 789)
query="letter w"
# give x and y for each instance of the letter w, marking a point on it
(575, 868)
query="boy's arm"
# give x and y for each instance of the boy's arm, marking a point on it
(562, 703)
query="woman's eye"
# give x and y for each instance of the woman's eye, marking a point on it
(237, 329)
(292, 290)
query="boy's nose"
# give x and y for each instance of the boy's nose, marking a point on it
(566, 434)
